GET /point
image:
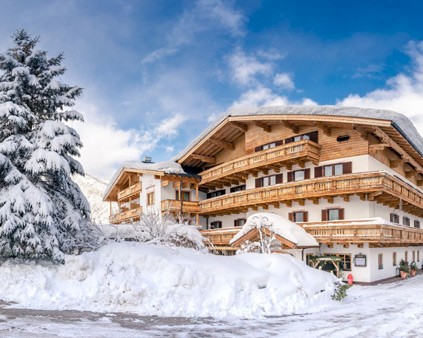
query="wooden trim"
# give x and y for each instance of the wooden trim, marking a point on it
(222, 144)
(204, 158)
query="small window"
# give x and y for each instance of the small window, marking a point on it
(332, 214)
(313, 136)
(345, 264)
(406, 221)
(394, 259)
(380, 261)
(416, 224)
(269, 145)
(215, 225)
(394, 218)
(268, 180)
(343, 138)
(239, 222)
(216, 193)
(333, 169)
(238, 188)
(298, 216)
(298, 175)
(185, 196)
(150, 198)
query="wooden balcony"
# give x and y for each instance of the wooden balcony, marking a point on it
(363, 231)
(274, 158)
(126, 216)
(373, 186)
(188, 207)
(219, 238)
(129, 192)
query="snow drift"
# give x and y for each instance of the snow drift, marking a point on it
(157, 280)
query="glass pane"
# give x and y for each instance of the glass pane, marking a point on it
(272, 180)
(299, 175)
(297, 138)
(328, 170)
(298, 217)
(339, 169)
(333, 214)
(306, 137)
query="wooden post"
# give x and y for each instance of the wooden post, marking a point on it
(196, 192)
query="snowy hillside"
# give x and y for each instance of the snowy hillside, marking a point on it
(93, 189)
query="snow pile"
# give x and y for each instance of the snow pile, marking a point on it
(156, 280)
(280, 226)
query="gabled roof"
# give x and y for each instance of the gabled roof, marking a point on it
(226, 129)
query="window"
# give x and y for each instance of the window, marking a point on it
(394, 259)
(394, 218)
(332, 214)
(333, 169)
(345, 264)
(268, 180)
(298, 216)
(215, 193)
(312, 136)
(406, 221)
(150, 198)
(298, 175)
(380, 261)
(185, 196)
(269, 145)
(416, 224)
(239, 222)
(238, 188)
(215, 225)
(343, 138)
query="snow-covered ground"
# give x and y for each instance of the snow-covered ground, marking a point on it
(388, 310)
(158, 280)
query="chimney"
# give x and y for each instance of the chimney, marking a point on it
(147, 159)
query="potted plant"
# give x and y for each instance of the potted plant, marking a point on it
(413, 268)
(404, 269)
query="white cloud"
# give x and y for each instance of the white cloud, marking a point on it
(403, 93)
(245, 68)
(260, 96)
(284, 80)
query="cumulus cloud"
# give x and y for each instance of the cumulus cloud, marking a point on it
(403, 93)
(284, 80)
(260, 96)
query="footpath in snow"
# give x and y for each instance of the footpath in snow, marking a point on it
(158, 280)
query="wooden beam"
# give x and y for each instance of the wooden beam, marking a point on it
(294, 128)
(241, 126)
(326, 130)
(378, 147)
(204, 158)
(222, 144)
(266, 127)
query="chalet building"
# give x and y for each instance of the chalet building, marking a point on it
(352, 178)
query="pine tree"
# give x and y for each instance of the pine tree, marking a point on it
(43, 213)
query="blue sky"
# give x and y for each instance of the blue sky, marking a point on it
(155, 73)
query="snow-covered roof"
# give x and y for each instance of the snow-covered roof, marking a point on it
(166, 167)
(400, 121)
(280, 226)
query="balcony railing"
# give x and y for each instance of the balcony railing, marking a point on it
(378, 186)
(304, 150)
(128, 192)
(189, 207)
(132, 214)
(363, 232)
(220, 237)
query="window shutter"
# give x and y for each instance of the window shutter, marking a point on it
(278, 143)
(259, 182)
(324, 215)
(314, 137)
(278, 178)
(290, 176)
(347, 167)
(341, 213)
(318, 172)
(291, 216)
(289, 140)
(258, 148)
(306, 174)
(305, 216)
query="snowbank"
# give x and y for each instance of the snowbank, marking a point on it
(280, 226)
(155, 280)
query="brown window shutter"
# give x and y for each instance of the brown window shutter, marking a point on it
(341, 213)
(278, 178)
(291, 216)
(324, 215)
(305, 216)
(290, 176)
(259, 182)
(306, 173)
(318, 172)
(289, 140)
(314, 136)
(258, 148)
(347, 168)
(279, 143)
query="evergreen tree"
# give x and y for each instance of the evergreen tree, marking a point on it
(43, 213)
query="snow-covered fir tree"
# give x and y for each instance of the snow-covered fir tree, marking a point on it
(43, 213)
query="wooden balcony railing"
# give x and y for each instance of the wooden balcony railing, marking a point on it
(220, 237)
(132, 214)
(378, 186)
(363, 232)
(189, 207)
(303, 150)
(128, 192)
